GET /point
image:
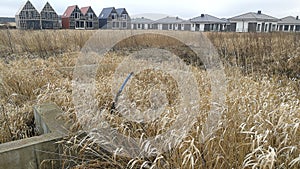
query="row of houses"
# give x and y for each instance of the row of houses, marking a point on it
(111, 18)
(28, 17)
(248, 22)
(74, 17)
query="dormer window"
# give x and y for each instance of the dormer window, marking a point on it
(113, 16)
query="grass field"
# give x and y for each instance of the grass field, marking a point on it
(259, 127)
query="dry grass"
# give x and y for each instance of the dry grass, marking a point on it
(259, 128)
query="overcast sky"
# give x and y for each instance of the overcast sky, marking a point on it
(183, 8)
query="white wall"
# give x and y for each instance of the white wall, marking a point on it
(241, 26)
(202, 27)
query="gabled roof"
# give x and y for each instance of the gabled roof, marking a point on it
(106, 12)
(48, 7)
(253, 16)
(84, 10)
(205, 18)
(69, 11)
(26, 4)
(289, 20)
(141, 20)
(168, 20)
(120, 11)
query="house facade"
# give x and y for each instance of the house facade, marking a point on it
(28, 17)
(289, 24)
(168, 23)
(124, 18)
(111, 18)
(253, 22)
(49, 18)
(141, 23)
(186, 25)
(206, 22)
(90, 18)
(73, 18)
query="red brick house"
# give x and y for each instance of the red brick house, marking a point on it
(73, 18)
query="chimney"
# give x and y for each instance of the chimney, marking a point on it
(297, 17)
(259, 12)
(202, 15)
(176, 17)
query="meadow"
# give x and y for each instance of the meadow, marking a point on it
(259, 127)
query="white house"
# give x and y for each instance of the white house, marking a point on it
(141, 23)
(253, 22)
(168, 23)
(289, 23)
(206, 22)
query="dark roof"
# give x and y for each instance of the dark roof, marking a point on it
(289, 20)
(48, 7)
(120, 11)
(253, 16)
(186, 22)
(168, 20)
(141, 20)
(205, 18)
(27, 3)
(84, 10)
(106, 12)
(69, 11)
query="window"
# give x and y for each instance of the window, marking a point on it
(297, 28)
(124, 24)
(291, 27)
(139, 26)
(113, 16)
(258, 27)
(77, 15)
(90, 24)
(281, 27)
(124, 16)
(170, 26)
(91, 16)
(286, 27)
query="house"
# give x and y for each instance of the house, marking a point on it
(186, 25)
(49, 18)
(73, 18)
(141, 23)
(124, 18)
(168, 23)
(108, 18)
(289, 23)
(111, 18)
(206, 22)
(28, 17)
(253, 22)
(91, 19)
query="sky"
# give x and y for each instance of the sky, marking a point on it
(185, 9)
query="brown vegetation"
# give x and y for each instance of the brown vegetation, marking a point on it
(259, 128)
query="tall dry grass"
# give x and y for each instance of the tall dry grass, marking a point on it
(258, 129)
